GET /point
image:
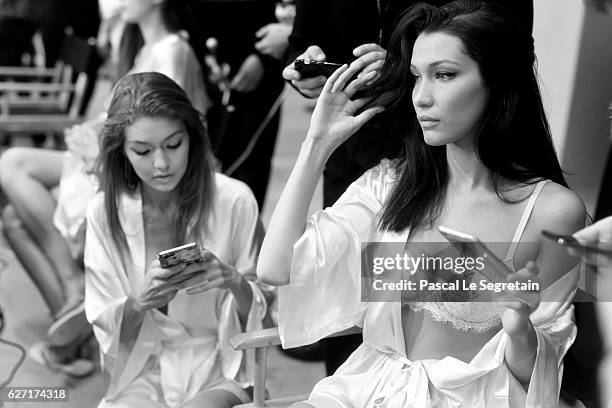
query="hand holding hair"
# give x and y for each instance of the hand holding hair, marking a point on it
(336, 117)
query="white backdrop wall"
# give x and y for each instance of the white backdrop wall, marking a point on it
(573, 45)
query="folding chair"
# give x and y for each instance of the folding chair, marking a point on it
(261, 341)
(47, 100)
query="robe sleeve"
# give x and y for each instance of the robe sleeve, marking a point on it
(555, 329)
(246, 238)
(324, 292)
(105, 289)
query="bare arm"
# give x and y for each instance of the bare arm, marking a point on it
(289, 217)
(561, 211)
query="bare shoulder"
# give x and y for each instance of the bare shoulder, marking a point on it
(559, 209)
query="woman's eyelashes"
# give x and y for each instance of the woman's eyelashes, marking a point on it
(441, 75)
(444, 75)
(141, 152)
(171, 146)
(174, 145)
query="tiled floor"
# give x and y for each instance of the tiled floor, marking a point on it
(27, 318)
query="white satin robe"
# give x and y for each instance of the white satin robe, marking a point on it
(323, 297)
(177, 355)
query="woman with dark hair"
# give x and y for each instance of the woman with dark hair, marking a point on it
(458, 87)
(47, 231)
(163, 332)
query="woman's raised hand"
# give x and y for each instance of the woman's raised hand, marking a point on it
(514, 307)
(335, 116)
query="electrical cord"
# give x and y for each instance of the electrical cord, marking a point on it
(251, 145)
(19, 347)
(22, 357)
(223, 84)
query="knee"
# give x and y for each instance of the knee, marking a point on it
(11, 220)
(12, 162)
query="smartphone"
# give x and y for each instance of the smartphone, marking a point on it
(184, 254)
(472, 246)
(569, 241)
(311, 68)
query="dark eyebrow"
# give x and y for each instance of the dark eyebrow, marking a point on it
(436, 63)
(176, 132)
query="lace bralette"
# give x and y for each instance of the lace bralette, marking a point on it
(478, 316)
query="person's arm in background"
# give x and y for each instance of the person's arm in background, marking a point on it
(600, 233)
(274, 37)
(308, 40)
(255, 65)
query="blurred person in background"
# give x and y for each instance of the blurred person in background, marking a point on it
(46, 231)
(590, 352)
(274, 37)
(249, 41)
(600, 234)
(82, 16)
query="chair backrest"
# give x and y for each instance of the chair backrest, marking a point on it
(260, 341)
(62, 90)
(49, 100)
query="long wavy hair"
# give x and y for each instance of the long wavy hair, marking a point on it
(513, 139)
(154, 95)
